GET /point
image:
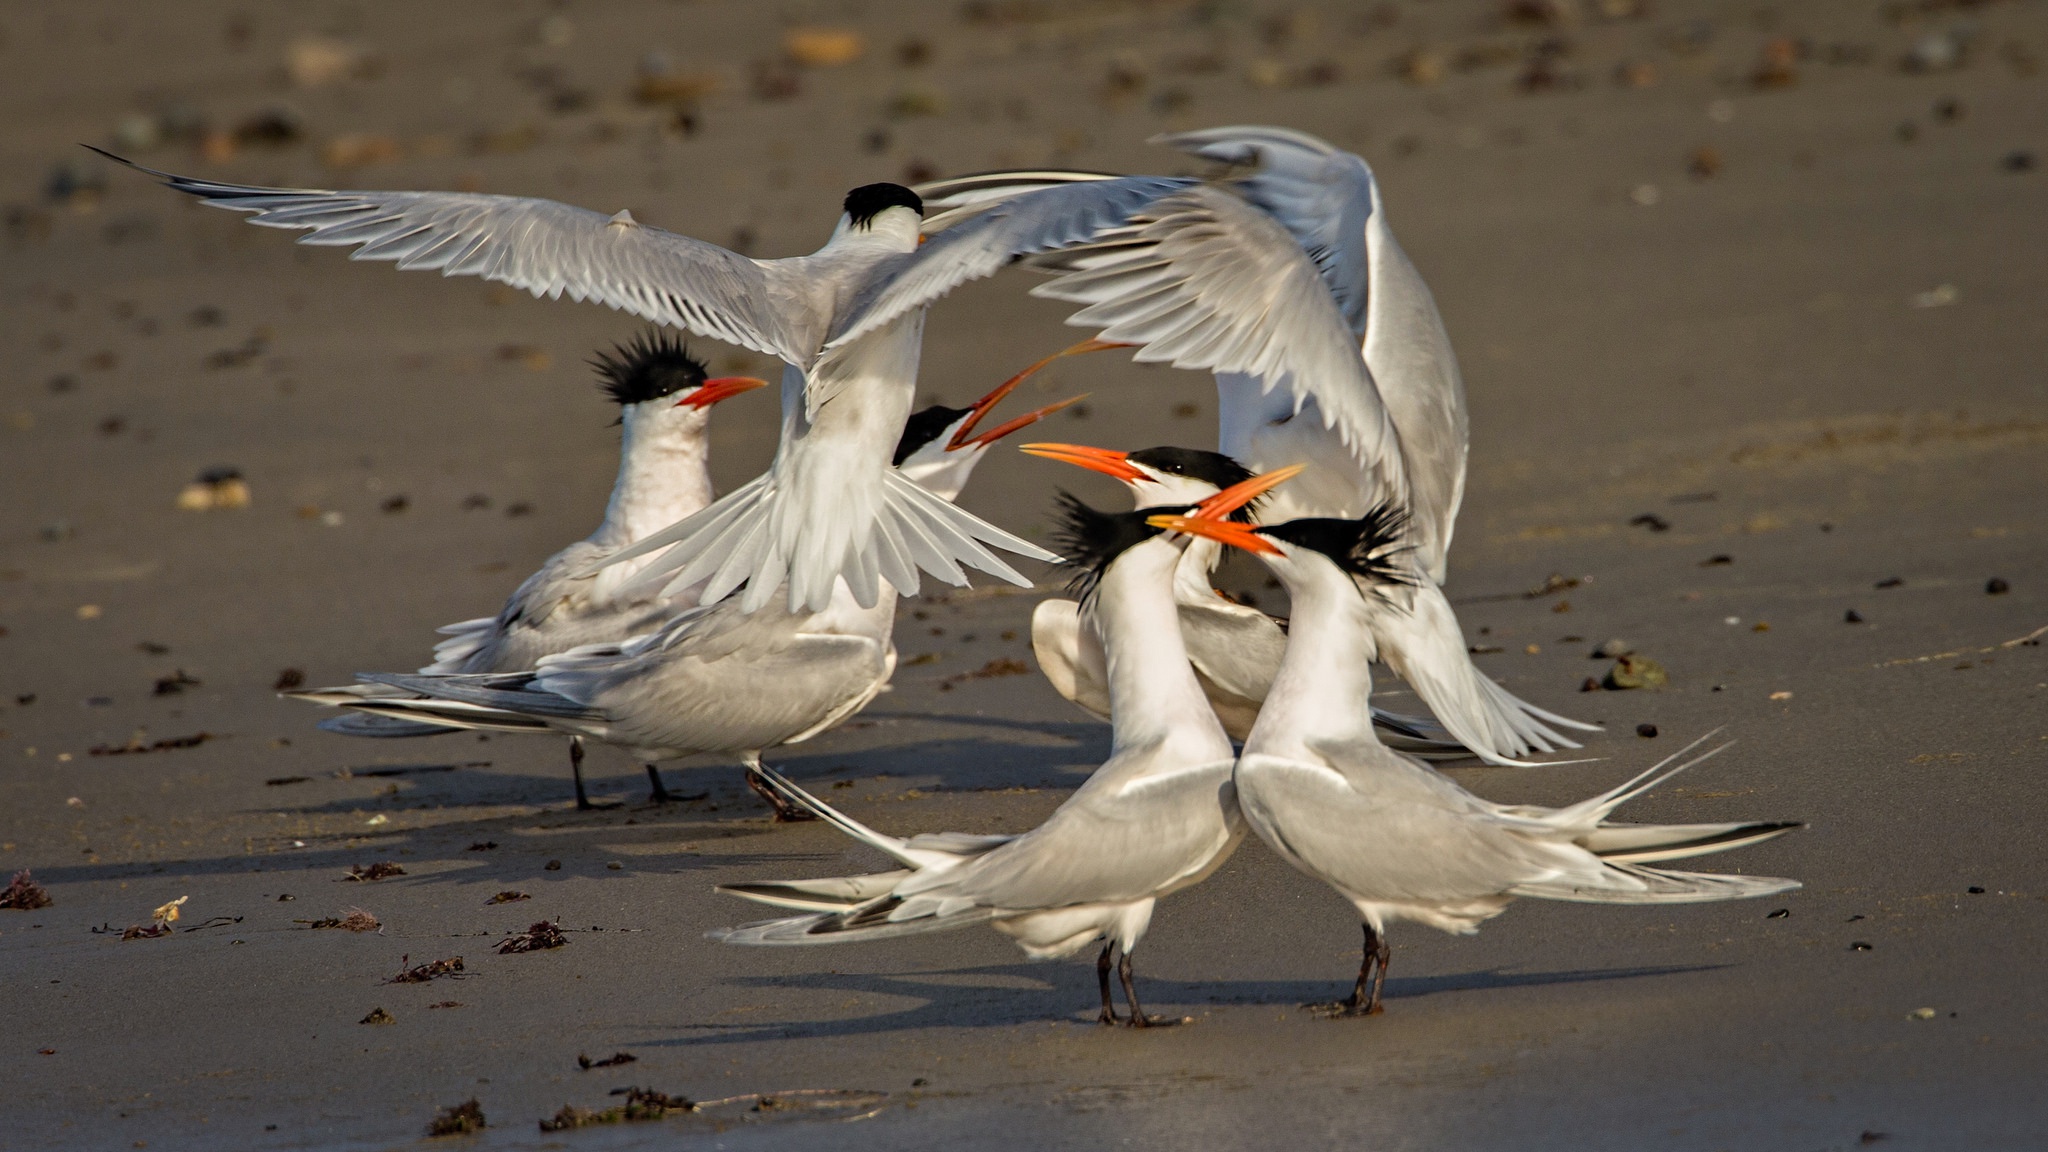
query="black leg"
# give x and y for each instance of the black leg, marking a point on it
(1138, 1018)
(660, 795)
(1372, 974)
(785, 812)
(583, 803)
(1108, 1015)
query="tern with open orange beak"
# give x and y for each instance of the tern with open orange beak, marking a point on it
(1397, 840)
(665, 400)
(693, 680)
(1157, 817)
(1235, 648)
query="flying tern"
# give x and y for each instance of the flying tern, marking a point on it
(708, 679)
(1397, 840)
(847, 322)
(1286, 283)
(1156, 817)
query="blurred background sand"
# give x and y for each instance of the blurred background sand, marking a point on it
(1769, 273)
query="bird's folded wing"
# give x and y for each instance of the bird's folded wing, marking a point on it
(1202, 279)
(1041, 219)
(543, 246)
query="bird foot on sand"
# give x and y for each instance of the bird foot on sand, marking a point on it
(1342, 1010)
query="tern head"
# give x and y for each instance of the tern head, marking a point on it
(890, 213)
(1092, 540)
(1157, 477)
(940, 446)
(1367, 549)
(656, 365)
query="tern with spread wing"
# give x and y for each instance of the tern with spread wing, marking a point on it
(1235, 649)
(1397, 840)
(1156, 817)
(664, 396)
(1286, 283)
(847, 322)
(710, 679)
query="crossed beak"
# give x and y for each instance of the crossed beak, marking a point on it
(720, 388)
(965, 435)
(1208, 518)
(1107, 461)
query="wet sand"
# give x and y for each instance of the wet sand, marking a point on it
(1836, 332)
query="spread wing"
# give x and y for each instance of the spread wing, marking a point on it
(1202, 279)
(1041, 219)
(545, 247)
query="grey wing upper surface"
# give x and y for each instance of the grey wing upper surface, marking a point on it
(547, 248)
(552, 611)
(1203, 279)
(1114, 840)
(1042, 218)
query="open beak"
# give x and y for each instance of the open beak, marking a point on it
(720, 388)
(1004, 429)
(981, 407)
(1244, 492)
(1229, 532)
(1208, 518)
(1107, 461)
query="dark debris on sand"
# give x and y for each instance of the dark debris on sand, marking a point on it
(641, 1104)
(543, 935)
(381, 870)
(353, 920)
(458, 1119)
(421, 973)
(612, 1061)
(24, 894)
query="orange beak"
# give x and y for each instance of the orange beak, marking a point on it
(1229, 532)
(1107, 461)
(981, 406)
(1004, 429)
(720, 388)
(1244, 492)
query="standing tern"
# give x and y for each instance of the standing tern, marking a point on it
(712, 679)
(1286, 282)
(1156, 817)
(847, 321)
(1235, 649)
(665, 397)
(1399, 841)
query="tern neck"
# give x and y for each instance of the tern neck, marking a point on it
(1322, 694)
(664, 471)
(1153, 695)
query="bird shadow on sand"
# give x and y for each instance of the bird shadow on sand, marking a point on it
(1006, 995)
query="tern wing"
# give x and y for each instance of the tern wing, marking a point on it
(1040, 220)
(543, 246)
(1202, 279)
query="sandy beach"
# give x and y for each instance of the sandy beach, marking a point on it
(1750, 305)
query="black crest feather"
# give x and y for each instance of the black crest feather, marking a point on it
(1368, 547)
(655, 364)
(868, 201)
(923, 427)
(1214, 467)
(1090, 540)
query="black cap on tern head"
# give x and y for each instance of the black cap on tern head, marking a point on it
(1090, 540)
(923, 427)
(868, 201)
(654, 365)
(1195, 463)
(1366, 547)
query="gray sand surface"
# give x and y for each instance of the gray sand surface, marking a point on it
(1838, 333)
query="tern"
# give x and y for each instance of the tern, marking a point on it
(847, 322)
(1286, 282)
(1397, 840)
(665, 397)
(1235, 649)
(710, 679)
(1156, 817)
